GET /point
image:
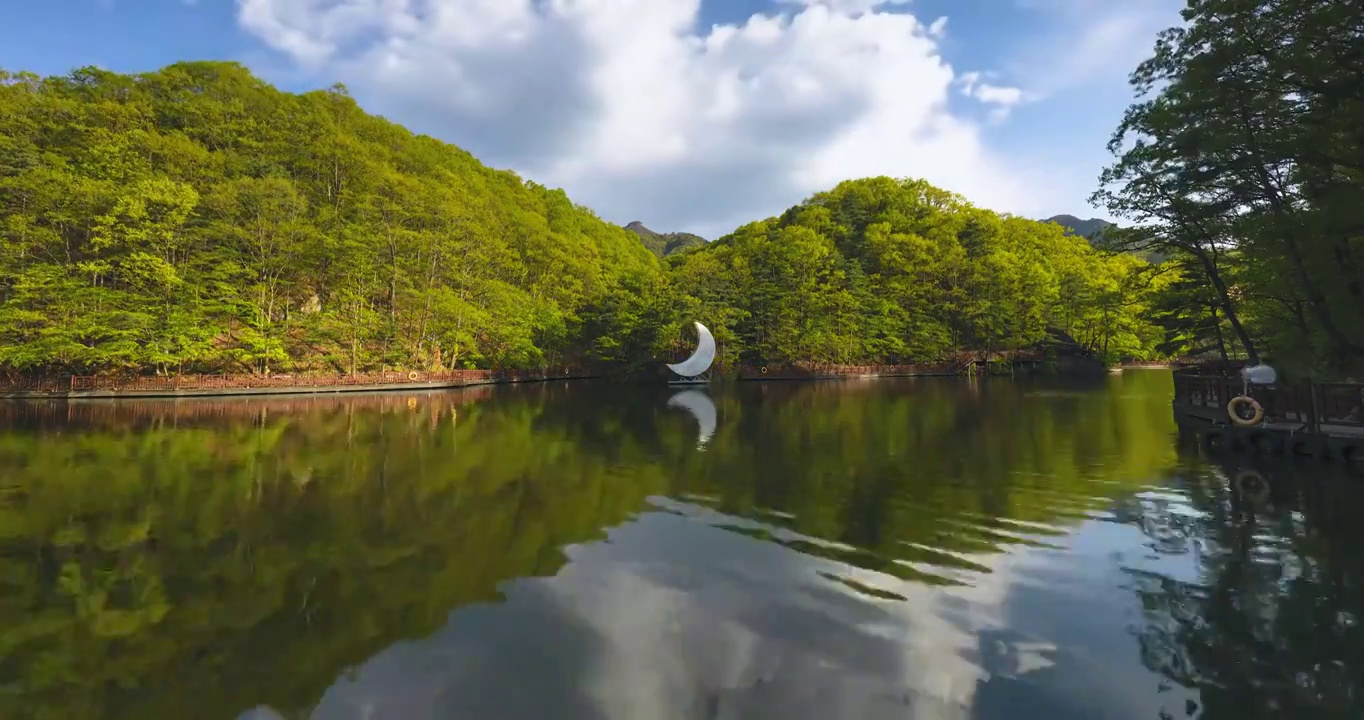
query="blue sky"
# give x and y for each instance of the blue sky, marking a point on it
(818, 117)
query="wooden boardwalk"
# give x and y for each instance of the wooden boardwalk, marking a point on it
(79, 386)
(1322, 420)
(959, 365)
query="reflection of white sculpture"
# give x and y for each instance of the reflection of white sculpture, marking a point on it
(699, 405)
(700, 360)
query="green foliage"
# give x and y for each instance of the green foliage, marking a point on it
(197, 219)
(883, 270)
(1242, 162)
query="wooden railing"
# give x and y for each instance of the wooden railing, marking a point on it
(951, 365)
(1155, 364)
(1316, 405)
(172, 383)
(810, 370)
(21, 384)
(129, 412)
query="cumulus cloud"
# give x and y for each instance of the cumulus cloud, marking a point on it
(641, 114)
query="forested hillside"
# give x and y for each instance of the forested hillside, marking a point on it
(197, 219)
(892, 270)
(1242, 161)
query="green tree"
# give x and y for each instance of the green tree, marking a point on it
(1238, 159)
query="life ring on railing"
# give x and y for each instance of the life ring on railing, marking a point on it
(1252, 486)
(412, 375)
(1235, 416)
(763, 370)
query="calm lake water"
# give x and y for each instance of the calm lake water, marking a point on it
(925, 549)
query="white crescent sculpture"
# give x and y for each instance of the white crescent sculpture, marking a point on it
(701, 359)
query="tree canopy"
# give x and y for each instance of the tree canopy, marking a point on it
(1243, 162)
(197, 219)
(196, 216)
(887, 270)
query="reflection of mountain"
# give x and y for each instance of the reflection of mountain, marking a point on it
(218, 561)
(200, 570)
(911, 477)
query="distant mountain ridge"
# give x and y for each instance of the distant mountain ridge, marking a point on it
(1091, 229)
(664, 244)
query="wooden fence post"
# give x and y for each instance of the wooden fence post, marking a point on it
(1315, 423)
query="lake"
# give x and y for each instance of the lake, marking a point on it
(916, 548)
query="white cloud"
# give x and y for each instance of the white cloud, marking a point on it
(1092, 41)
(1001, 97)
(846, 7)
(640, 114)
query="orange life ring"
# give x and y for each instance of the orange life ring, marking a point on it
(1236, 418)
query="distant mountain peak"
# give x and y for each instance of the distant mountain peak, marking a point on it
(1090, 229)
(664, 244)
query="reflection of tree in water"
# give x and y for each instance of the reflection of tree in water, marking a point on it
(228, 554)
(1271, 627)
(157, 558)
(915, 480)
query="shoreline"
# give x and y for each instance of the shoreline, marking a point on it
(210, 386)
(418, 385)
(245, 392)
(266, 388)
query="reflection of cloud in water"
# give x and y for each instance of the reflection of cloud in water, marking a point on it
(675, 618)
(701, 407)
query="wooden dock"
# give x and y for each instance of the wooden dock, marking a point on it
(1320, 420)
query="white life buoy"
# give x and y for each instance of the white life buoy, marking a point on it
(412, 375)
